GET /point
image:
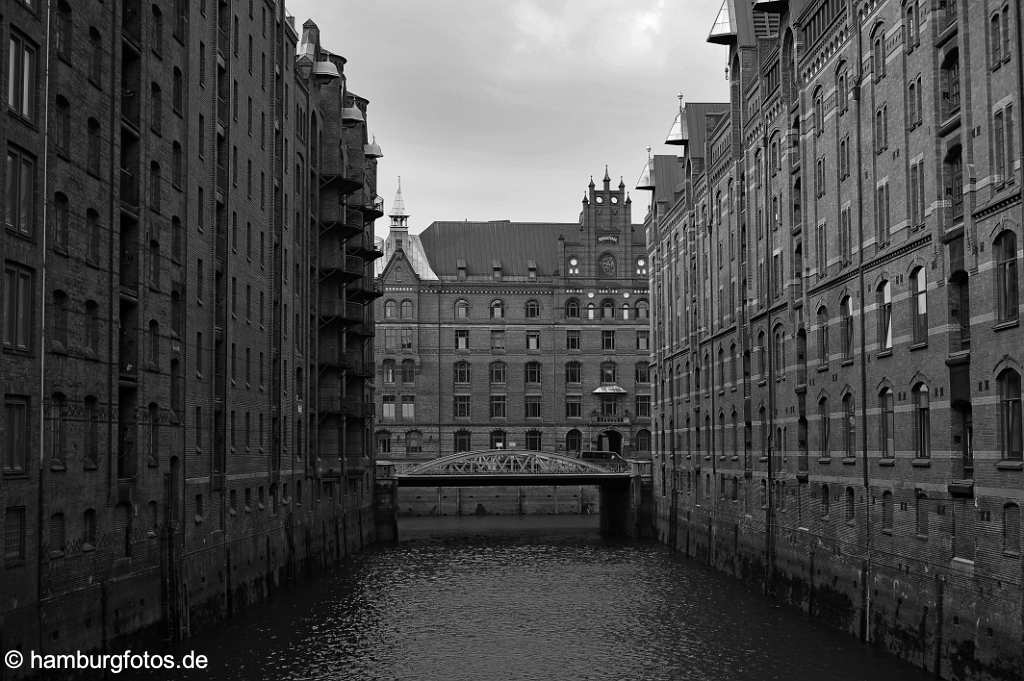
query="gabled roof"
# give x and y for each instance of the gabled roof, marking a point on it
(697, 124)
(668, 174)
(514, 244)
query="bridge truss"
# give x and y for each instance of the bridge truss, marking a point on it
(511, 462)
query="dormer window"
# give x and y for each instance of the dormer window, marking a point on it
(641, 266)
(496, 269)
(531, 269)
(574, 265)
(460, 264)
(398, 244)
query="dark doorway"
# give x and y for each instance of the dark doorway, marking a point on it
(610, 441)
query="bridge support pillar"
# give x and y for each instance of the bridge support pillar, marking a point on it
(385, 509)
(618, 511)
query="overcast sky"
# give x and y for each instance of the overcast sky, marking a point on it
(502, 109)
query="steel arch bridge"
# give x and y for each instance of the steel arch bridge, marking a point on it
(511, 466)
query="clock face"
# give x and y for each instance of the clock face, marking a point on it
(607, 263)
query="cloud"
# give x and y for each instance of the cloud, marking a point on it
(599, 35)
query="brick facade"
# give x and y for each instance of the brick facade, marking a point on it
(510, 290)
(171, 441)
(835, 323)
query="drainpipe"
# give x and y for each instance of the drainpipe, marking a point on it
(42, 339)
(770, 350)
(865, 624)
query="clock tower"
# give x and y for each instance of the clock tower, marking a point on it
(606, 234)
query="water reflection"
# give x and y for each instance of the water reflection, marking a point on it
(485, 599)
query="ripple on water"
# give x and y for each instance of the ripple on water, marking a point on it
(530, 608)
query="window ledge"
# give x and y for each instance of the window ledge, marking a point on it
(920, 345)
(921, 463)
(849, 460)
(884, 353)
(822, 368)
(846, 362)
(886, 530)
(1008, 324)
(1010, 465)
(57, 466)
(825, 460)
(762, 459)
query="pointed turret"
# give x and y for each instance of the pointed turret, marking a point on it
(399, 216)
(607, 180)
(622, 184)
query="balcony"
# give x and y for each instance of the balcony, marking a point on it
(223, 111)
(131, 22)
(365, 247)
(373, 207)
(222, 179)
(365, 289)
(346, 267)
(947, 14)
(130, 108)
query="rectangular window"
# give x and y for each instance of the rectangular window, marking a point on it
(460, 406)
(532, 406)
(573, 406)
(19, 197)
(821, 250)
(408, 407)
(498, 406)
(21, 77)
(643, 340)
(407, 338)
(461, 339)
(14, 535)
(643, 406)
(497, 340)
(533, 340)
(387, 411)
(572, 340)
(17, 308)
(16, 438)
(607, 340)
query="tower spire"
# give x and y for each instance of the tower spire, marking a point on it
(607, 179)
(399, 216)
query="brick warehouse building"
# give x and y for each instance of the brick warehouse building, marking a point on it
(189, 206)
(514, 335)
(836, 303)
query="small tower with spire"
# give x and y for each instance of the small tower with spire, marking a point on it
(398, 231)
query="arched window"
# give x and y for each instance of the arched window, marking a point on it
(532, 309)
(572, 309)
(408, 371)
(498, 439)
(1011, 528)
(1004, 252)
(461, 309)
(95, 56)
(850, 504)
(761, 352)
(177, 90)
(919, 305)
(826, 500)
(643, 309)
(735, 433)
(92, 147)
(591, 311)
(156, 105)
(626, 311)
(846, 327)
(89, 530)
(63, 30)
(887, 511)
(462, 372)
(92, 430)
(413, 442)
(922, 422)
(921, 514)
(390, 308)
(762, 429)
(154, 433)
(61, 220)
(497, 372)
(824, 423)
(911, 25)
(497, 309)
(883, 303)
(58, 540)
(842, 87)
(849, 426)
(154, 344)
(573, 441)
(573, 372)
(780, 352)
(733, 363)
(642, 441)
(607, 309)
(156, 30)
(1009, 415)
(823, 336)
(819, 113)
(388, 367)
(462, 440)
(878, 53)
(887, 424)
(383, 439)
(406, 309)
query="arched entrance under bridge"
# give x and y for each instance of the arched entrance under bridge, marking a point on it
(610, 441)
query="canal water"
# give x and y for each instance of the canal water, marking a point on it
(530, 598)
